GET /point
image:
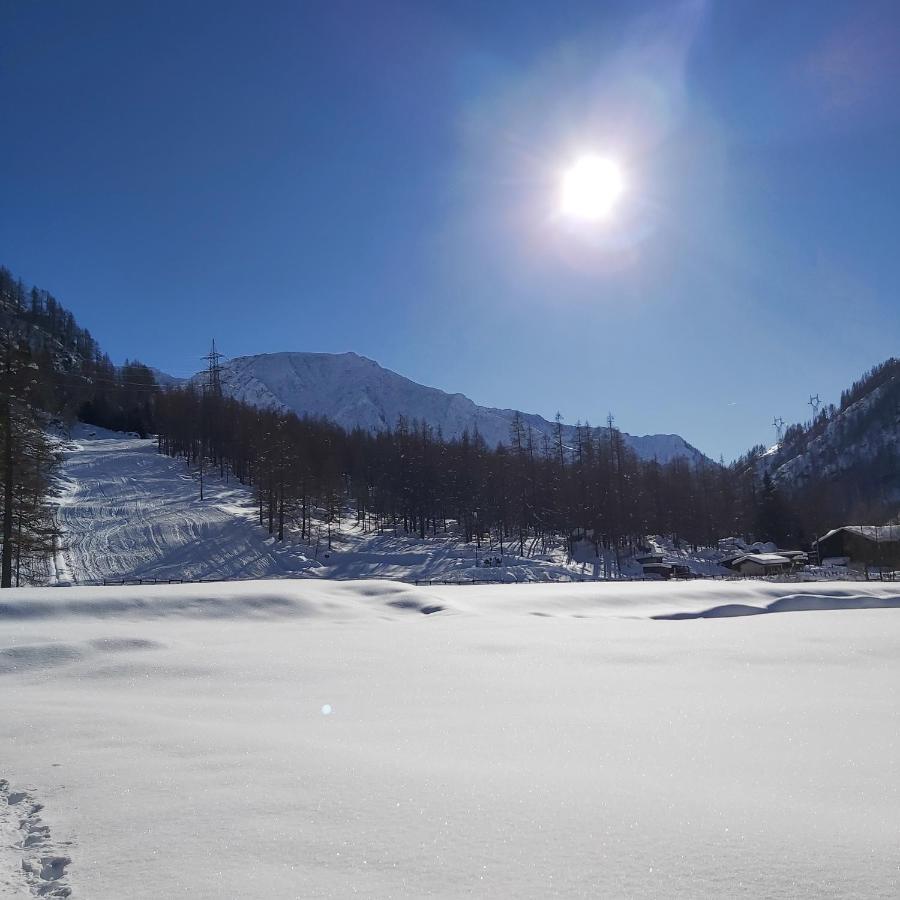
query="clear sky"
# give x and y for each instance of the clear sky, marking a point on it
(384, 178)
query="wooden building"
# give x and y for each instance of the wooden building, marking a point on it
(864, 545)
(667, 570)
(762, 564)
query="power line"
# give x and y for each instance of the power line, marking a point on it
(92, 379)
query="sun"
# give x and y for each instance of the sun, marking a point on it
(591, 188)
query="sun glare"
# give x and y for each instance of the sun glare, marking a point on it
(591, 187)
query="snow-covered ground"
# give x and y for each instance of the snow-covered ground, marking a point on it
(310, 738)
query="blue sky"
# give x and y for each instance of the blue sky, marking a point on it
(384, 178)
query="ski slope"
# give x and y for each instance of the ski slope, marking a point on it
(321, 739)
(128, 512)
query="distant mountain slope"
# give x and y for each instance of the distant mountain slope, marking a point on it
(354, 391)
(163, 379)
(857, 443)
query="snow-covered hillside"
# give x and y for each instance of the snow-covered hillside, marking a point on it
(860, 439)
(279, 739)
(354, 391)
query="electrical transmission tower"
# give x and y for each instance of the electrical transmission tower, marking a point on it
(815, 403)
(212, 388)
(213, 371)
(778, 422)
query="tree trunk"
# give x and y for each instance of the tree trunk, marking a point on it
(8, 478)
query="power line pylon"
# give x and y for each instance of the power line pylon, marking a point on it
(778, 422)
(213, 371)
(815, 403)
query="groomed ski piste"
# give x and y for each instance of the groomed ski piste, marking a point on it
(313, 737)
(128, 512)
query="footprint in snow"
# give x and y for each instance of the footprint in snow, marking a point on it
(43, 870)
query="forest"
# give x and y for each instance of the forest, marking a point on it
(592, 488)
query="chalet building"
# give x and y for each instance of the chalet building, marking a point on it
(768, 562)
(649, 559)
(762, 564)
(797, 557)
(667, 570)
(865, 545)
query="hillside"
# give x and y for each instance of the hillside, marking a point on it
(353, 391)
(72, 377)
(850, 454)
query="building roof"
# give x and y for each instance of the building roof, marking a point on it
(764, 559)
(878, 533)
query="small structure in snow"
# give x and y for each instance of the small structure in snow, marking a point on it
(648, 559)
(797, 557)
(667, 570)
(729, 560)
(761, 564)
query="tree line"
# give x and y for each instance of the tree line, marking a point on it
(528, 492)
(27, 530)
(73, 377)
(52, 372)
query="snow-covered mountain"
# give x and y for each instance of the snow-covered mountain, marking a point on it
(354, 391)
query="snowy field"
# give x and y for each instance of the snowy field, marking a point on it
(278, 739)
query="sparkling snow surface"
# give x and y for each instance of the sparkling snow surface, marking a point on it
(515, 741)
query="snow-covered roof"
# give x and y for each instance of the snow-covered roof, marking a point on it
(763, 547)
(877, 533)
(764, 559)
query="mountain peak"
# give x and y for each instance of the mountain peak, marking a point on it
(355, 391)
